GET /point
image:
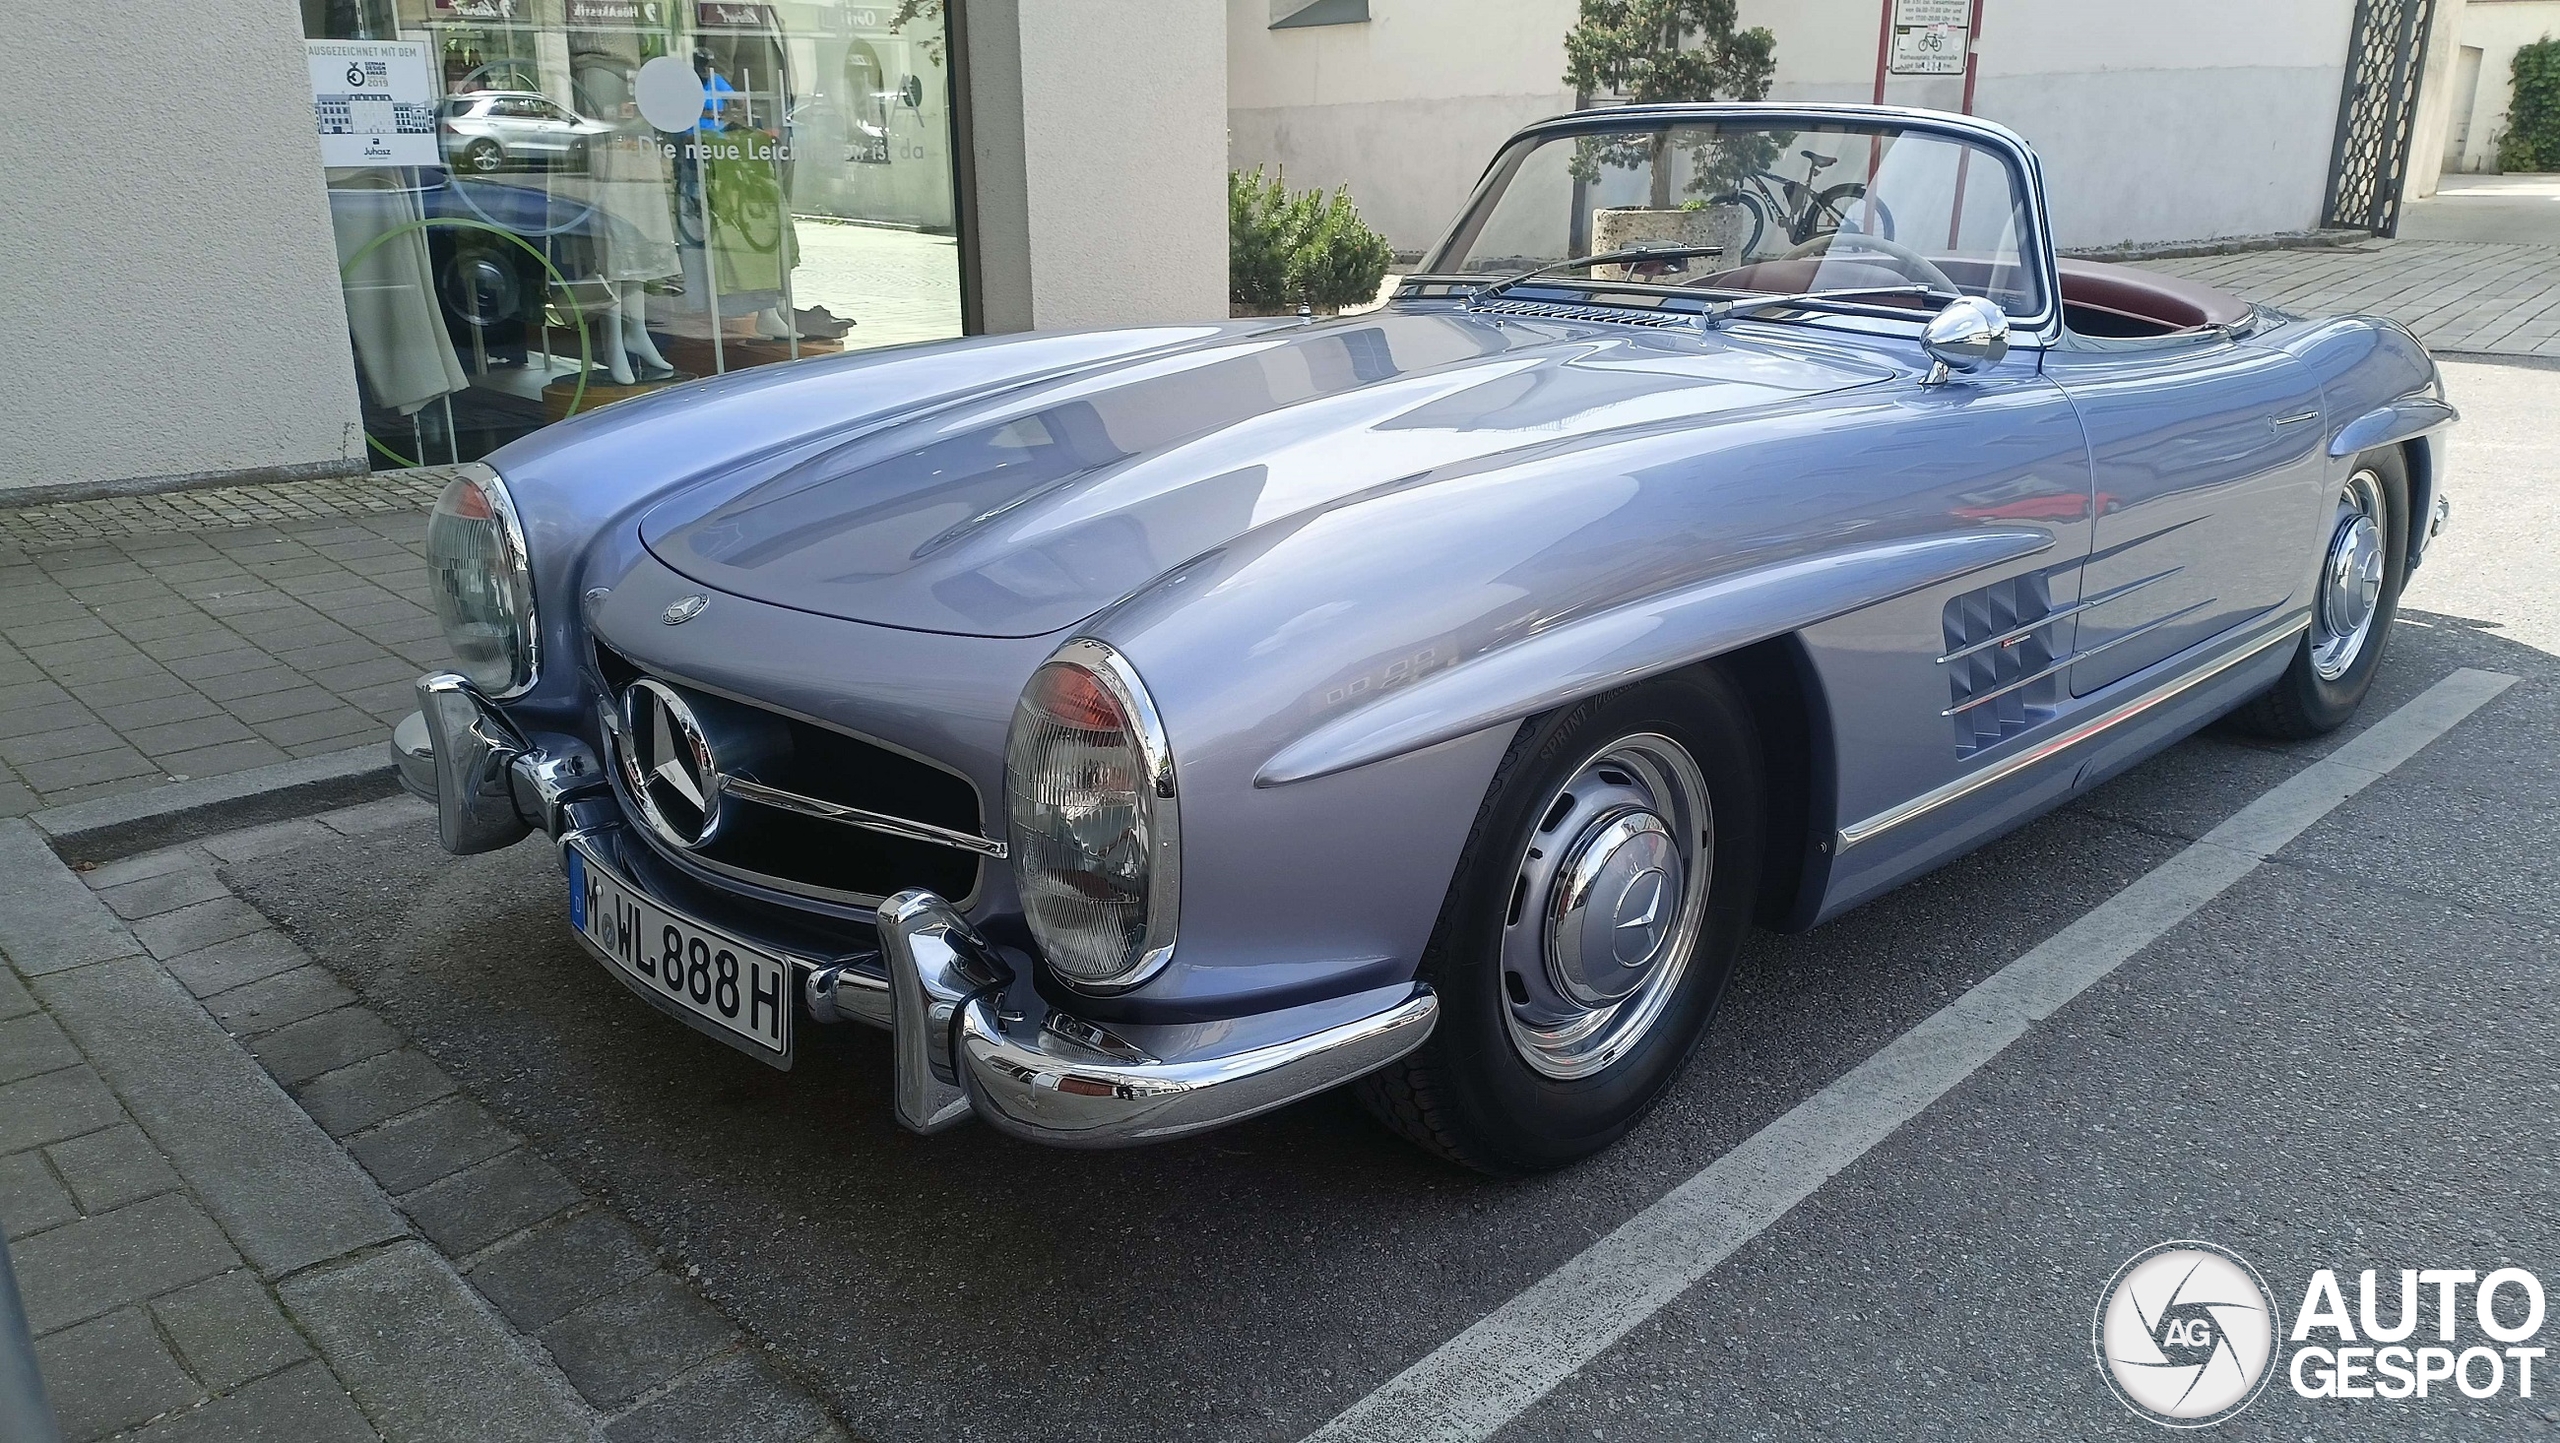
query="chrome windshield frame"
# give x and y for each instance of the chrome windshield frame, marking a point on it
(2040, 329)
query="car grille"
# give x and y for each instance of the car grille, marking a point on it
(781, 845)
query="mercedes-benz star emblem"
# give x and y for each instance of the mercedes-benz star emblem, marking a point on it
(684, 609)
(667, 763)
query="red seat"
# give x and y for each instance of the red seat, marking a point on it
(2169, 301)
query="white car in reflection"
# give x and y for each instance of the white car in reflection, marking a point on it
(490, 130)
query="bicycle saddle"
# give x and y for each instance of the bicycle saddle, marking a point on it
(1819, 161)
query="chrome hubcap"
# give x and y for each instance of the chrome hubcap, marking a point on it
(1605, 906)
(2350, 578)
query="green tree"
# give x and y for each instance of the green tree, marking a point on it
(1657, 51)
(2531, 140)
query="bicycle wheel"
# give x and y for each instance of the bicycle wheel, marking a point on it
(1836, 207)
(1759, 210)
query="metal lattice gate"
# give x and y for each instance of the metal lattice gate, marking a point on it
(2377, 111)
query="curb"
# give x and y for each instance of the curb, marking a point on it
(2290, 240)
(130, 822)
(2499, 358)
(58, 492)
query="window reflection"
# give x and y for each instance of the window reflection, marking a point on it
(562, 251)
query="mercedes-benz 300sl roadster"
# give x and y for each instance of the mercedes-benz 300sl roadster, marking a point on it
(1151, 727)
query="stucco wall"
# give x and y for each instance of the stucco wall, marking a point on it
(2497, 28)
(1406, 107)
(165, 248)
(1098, 130)
(2157, 119)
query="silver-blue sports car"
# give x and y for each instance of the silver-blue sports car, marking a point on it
(1151, 727)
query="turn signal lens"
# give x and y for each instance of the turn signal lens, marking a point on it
(482, 582)
(1088, 825)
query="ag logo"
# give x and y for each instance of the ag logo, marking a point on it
(2185, 1333)
(355, 77)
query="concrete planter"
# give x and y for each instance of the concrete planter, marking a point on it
(1728, 226)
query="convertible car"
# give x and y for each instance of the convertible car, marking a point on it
(1151, 727)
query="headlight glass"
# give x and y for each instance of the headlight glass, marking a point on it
(1089, 799)
(482, 582)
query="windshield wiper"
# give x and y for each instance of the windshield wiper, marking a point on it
(1632, 255)
(1719, 312)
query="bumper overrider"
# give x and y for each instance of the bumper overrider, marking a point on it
(965, 1041)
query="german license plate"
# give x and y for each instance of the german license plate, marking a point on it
(736, 991)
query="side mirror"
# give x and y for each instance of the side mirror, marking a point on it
(1970, 335)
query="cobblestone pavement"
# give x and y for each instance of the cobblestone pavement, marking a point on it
(2467, 296)
(241, 1207)
(201, 633)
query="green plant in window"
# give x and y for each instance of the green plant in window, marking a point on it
(1306, 248)
(1653, 52)
(2531, 140)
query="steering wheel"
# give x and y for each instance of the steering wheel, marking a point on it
(1908, 261)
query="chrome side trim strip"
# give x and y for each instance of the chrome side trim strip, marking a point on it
(869, 821)
(2075, 658)
(1965, 786)
(2025, 630)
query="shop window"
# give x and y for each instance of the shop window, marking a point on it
(567, 236)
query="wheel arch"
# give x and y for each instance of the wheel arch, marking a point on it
(1792, 716)
(2418, 454)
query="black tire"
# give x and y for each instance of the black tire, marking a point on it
(1759, 221)
(1470, 1095)
(483, 157)
(2303, 703)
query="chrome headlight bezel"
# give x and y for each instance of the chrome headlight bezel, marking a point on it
(1156, 804)
(515, 621)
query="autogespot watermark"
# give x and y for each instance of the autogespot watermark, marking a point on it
(2188, 1333)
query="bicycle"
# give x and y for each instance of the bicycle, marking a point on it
(1803, 211)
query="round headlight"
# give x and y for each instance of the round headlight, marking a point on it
(482, 582)
(1090, 800)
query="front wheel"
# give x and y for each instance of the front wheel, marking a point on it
(2364, 558)
(1590, 928)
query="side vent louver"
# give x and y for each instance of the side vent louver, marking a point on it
(1996, 657)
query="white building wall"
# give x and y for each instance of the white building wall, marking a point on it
(2497, 29)
(2158, 120)
(1406, 108)
(165, 249)
(1096, 133)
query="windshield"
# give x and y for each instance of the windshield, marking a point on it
(1804, 205)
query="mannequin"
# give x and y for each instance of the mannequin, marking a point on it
(628, 354)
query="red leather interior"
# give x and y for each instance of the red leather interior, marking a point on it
(2167, 303)
(2177, 304)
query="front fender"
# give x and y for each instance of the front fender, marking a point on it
(2401, 420)
(1653, 636)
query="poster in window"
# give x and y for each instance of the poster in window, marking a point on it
(375, 102)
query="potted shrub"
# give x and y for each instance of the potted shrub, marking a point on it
(1308, 249)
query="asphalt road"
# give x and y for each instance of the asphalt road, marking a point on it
(2344, 1061)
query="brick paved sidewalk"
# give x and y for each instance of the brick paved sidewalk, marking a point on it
(196, 634)
(2470, 296)
(242, 1208)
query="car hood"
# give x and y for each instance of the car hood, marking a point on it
(1029, 507)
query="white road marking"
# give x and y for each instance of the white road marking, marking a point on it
(1488, 1375)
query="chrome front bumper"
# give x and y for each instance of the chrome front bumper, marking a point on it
(969, 1038)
